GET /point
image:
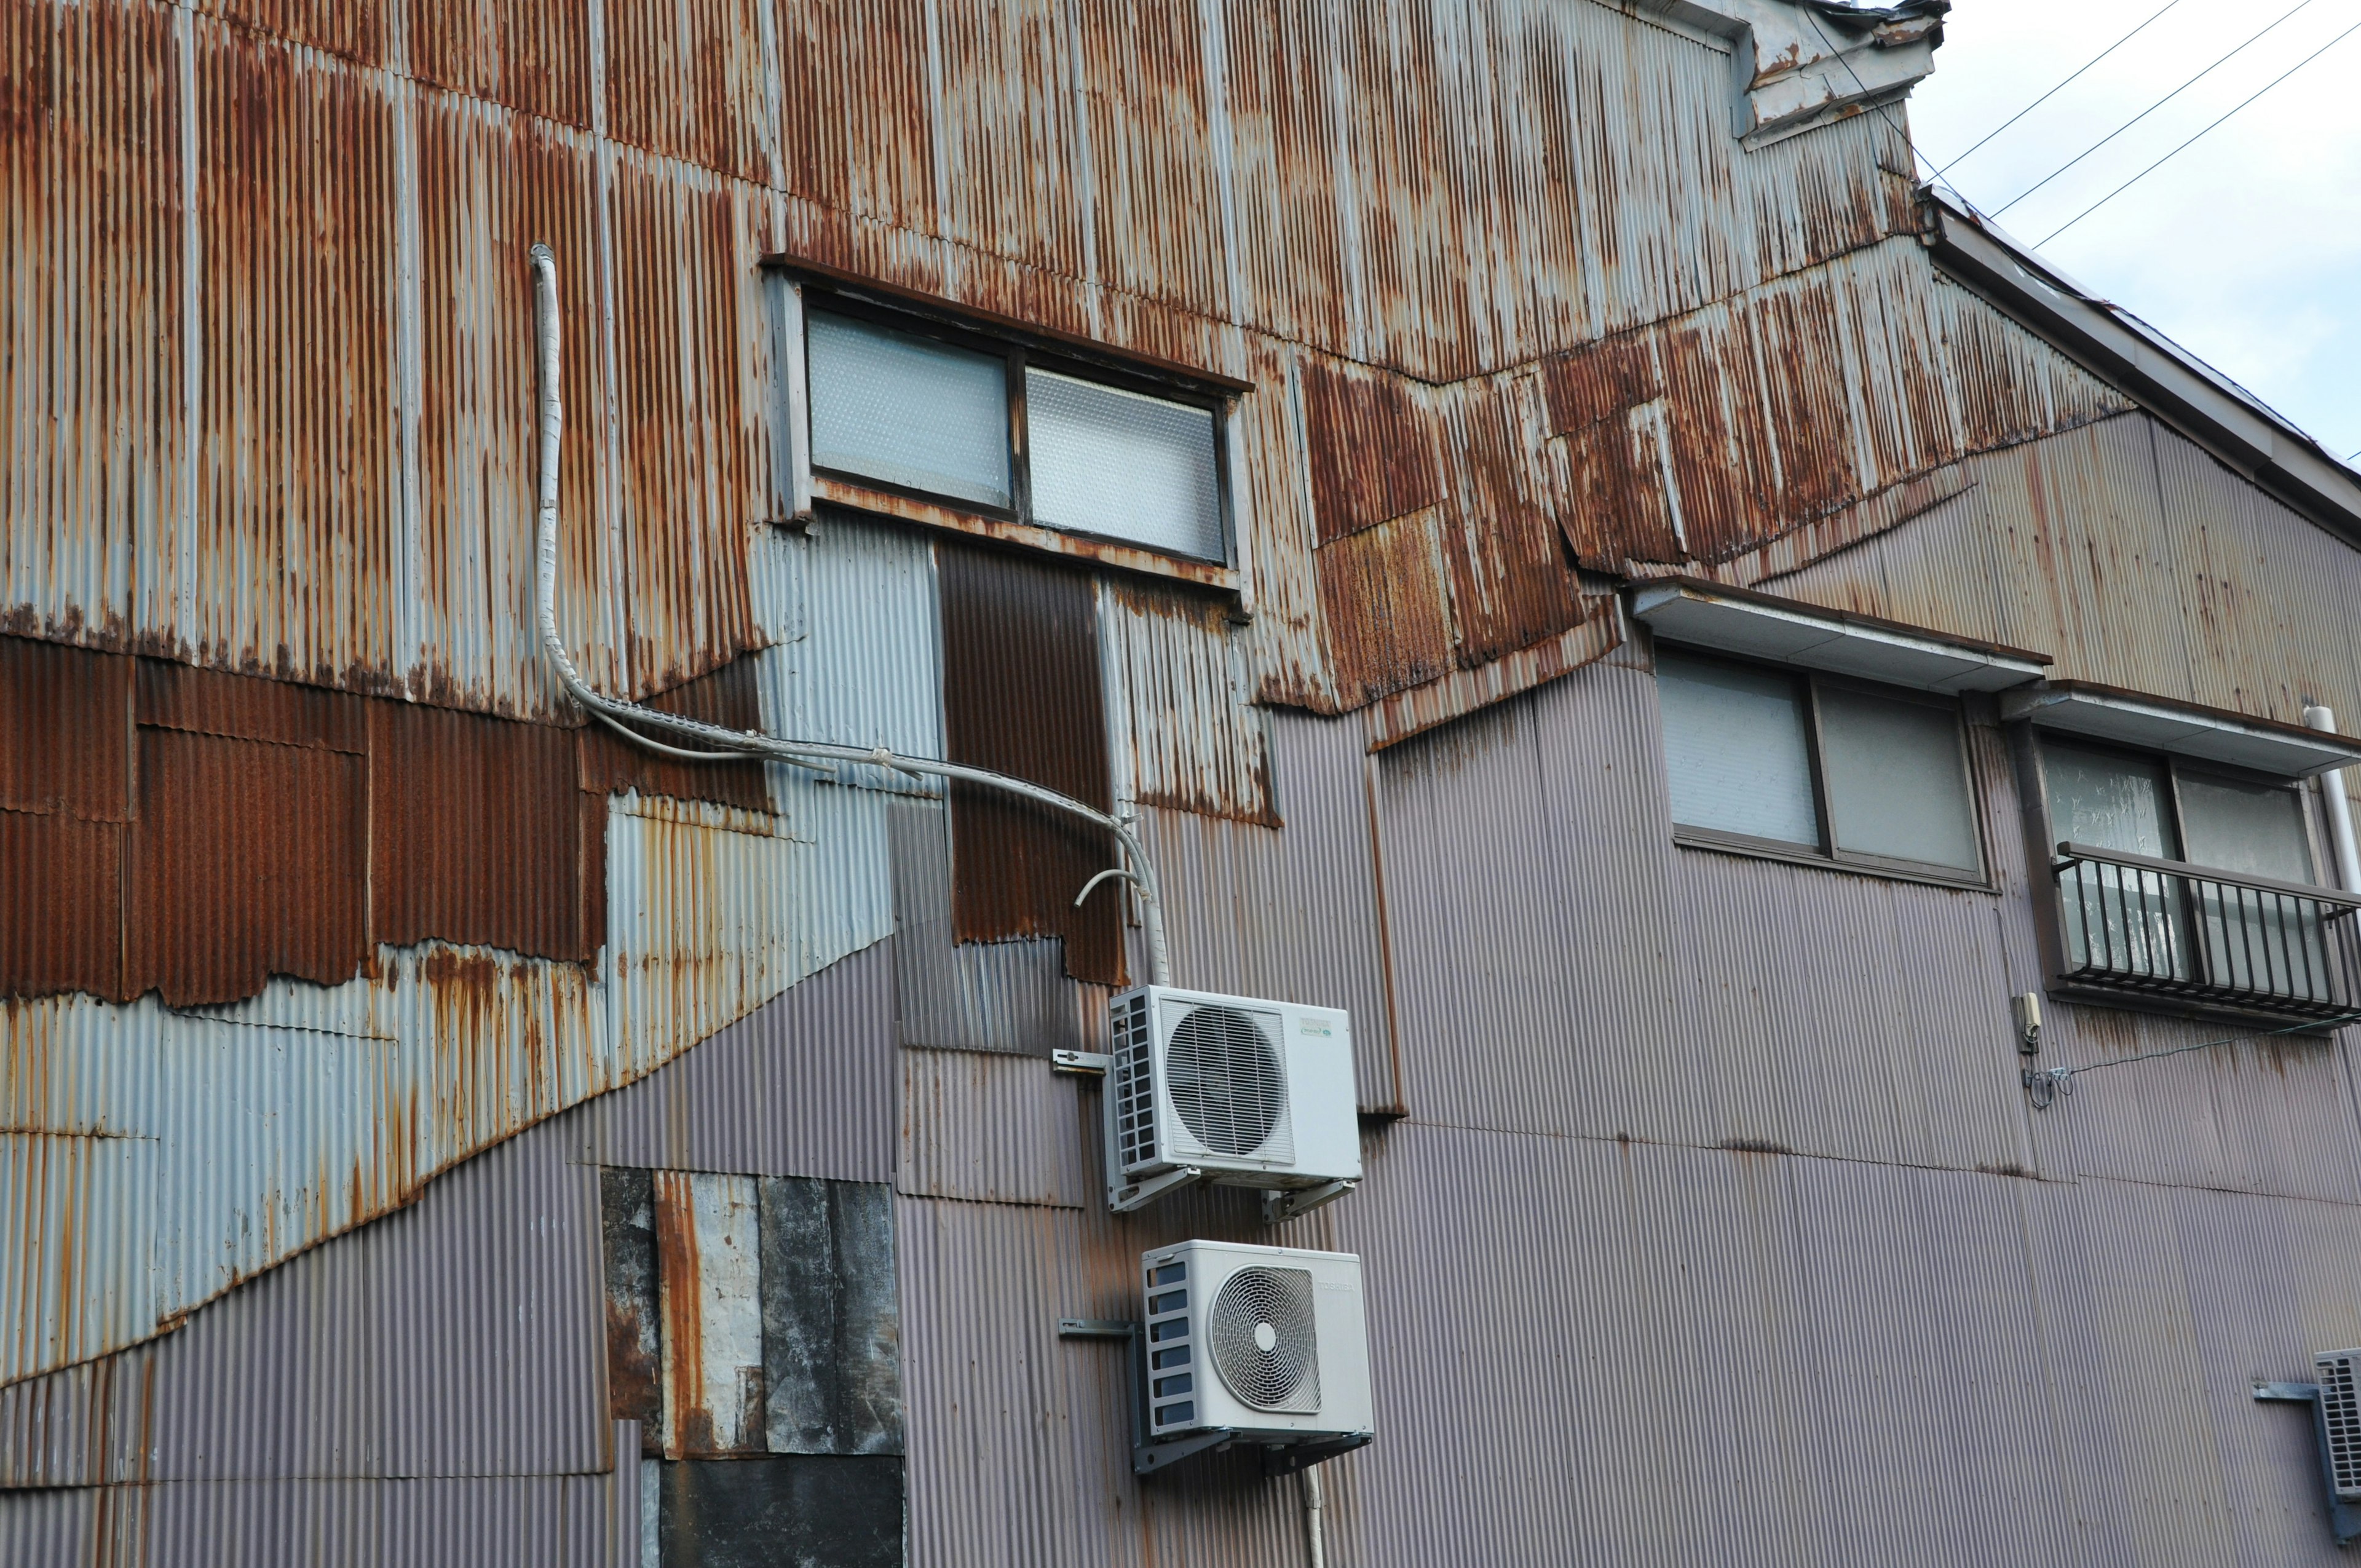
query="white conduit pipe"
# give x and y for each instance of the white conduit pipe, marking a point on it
(1313, 1504)
(2340, 810)
(731, 744)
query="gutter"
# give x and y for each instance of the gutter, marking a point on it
(2163, 377)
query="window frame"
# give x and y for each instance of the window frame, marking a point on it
(1017, 352)
(2175, 766)
(1826, 855)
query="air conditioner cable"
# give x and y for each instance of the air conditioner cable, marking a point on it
(724, 744)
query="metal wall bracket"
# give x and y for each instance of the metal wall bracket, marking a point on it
(1139, 1194)
(1285, 1459)
(2344, 1518)
(1095, 1327)
(1277, 1207)
(1093, 1064)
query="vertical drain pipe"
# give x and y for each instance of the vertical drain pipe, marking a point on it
(2340, 809)
(1309, 1477)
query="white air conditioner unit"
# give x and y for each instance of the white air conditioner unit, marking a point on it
(1230, 1089)
(1267, 1344)
(2340, 1418)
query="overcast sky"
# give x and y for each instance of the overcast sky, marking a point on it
(2245, 248)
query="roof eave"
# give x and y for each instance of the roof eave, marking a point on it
(2164, 378)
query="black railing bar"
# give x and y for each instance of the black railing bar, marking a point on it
(2070, 853)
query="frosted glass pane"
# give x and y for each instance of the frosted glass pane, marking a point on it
(2109, 801)
(1734, 749)
(2250, 828)
(1123, 466)
(1896, 784)
(908, 411)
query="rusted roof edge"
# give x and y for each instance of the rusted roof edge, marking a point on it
(2163, 376)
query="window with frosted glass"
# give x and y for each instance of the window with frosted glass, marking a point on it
(893, 404)
(1736, 751)
(1124, 465)
(2158, 925)
(1795, 764)
(908, 411)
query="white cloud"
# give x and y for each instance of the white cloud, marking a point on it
(2246, 247)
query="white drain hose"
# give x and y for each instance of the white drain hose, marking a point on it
(723, 743)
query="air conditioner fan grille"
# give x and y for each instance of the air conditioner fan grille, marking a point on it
(1264, 1340)
(1223, 1077)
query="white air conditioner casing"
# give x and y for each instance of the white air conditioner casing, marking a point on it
(1269, 1342)
(2340, 1418)
(1232, 1089)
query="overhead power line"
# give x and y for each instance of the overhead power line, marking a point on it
(2161, 162)
(2053, 92)
(2144, 114)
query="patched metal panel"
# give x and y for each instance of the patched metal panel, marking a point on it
(831, 1324)
(791, 1509)
(856, 639)
(709, 1307)
(1022, 695)
(627, 1246)
(999, 1129)
(974, 996)
(1181, 703)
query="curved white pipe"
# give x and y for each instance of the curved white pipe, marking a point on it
(815, 754)
(2340, 810)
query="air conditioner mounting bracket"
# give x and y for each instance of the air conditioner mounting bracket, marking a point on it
(1124, 1200)
(1279, 1207)
(2344, 1518)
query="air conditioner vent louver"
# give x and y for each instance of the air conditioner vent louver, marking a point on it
(2340, 1409)
(1265, 1342)
(1223, 1077)
(1134, 1089)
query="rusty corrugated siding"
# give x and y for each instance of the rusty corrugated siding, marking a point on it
(531, 58)
(730, 696)
(1177, 681)
(1022, 694)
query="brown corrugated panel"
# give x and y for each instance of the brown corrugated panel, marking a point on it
(854, 104)
(1021, 695)
(356, 30)
(1386, 601)
(491, 184)
(729, 696)
(207, 702)
(476, 834)
(530, 56)
(61, 904)
(90, 389)
(297, 532)
(687, 80)
(1372, 449)
(694, 417)
(248, 860)
(66, 714)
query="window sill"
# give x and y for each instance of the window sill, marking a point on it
(982, 525)
(1758, 850)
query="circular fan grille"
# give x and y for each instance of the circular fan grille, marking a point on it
(1262, 1336)
(1222, 1074)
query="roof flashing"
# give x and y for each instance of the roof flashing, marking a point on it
(1711, 615)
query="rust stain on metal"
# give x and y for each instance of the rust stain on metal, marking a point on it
(681, 1328)
(687, 80)
(61, 884)
(1385, 596)
(1371, 449)
(66, 714)
(532, 57)
(208, 702)
(1021, 693)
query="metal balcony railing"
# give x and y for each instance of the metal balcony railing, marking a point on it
(2168, 929)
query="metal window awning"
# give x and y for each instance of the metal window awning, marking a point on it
(1736, 621)
(2202, 733)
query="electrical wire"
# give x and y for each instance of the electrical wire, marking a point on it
(2144, 114)
(1897, 126)
(2055, 90)
(2060, 1080)
(1138, 870)
(2161, 162)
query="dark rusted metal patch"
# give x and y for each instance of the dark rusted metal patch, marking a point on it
(1372, 449)
(61, 888)
(832, 1331)
(209, 702)
(474, 826)
(793, 1509)
(66, 714)
(634, 1354)
(247, 860)
(1021, 695)
(729, 696)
